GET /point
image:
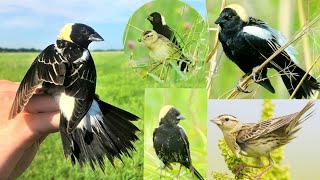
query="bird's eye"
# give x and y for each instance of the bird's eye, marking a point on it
(83, 31)
(227, 119)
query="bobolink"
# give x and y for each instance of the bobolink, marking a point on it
(161, 49)
(171, 142)
(159, 25)
(259, 139)
(248, 42)
(90, 128)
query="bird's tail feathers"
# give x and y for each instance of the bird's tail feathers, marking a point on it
(196, 172)
(292, 75)
(105, 131)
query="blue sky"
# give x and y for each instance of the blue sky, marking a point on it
(36, 23)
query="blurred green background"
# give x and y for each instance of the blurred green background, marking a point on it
(192, 103)
(186, 22)
(114, 85)
(288, 16)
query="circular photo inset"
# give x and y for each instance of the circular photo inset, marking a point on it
(166, 41)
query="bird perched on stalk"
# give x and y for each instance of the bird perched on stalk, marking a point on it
(248, 42)
(90, 128)
(159, 25)
(171, 142)
(161, 49)
(260, 139)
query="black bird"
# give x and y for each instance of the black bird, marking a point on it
(159, 25)
(171, 142)
(248, 42)
(90, 128)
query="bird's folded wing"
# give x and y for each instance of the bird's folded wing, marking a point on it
(186, 142)
(49, 66)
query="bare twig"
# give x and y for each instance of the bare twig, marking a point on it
(302, 31)
(213, 55)
(303, 78)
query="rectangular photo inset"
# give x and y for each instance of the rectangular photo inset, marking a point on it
(175, 128)
(263, 139)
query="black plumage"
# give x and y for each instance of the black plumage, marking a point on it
(248, 42)
(171, 142)
(90, 128)
(160, 26)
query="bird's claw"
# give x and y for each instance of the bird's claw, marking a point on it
(242, 89)
(238, 169)
(257, 176)
(254, 73)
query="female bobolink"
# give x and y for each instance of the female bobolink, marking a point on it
(160, 26)
(259, 139)
(90, 128)
(162, 49)
(170, 141)
(248, 42)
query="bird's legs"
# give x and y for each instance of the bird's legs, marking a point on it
(258, 176)
(241, 89)
(239, 168)
(179, 171)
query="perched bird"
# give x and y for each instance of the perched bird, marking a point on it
(259, 139)
(90, 128)
(171, 142)
(248, 42)
(161, 48)
(159, 25)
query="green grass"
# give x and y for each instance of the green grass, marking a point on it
(189, 28)
(192, 103)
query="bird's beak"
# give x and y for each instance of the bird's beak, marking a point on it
(95, 37)
(150, 18)
(180, 117)
(216, 121)
(220, 20)
(139, 40)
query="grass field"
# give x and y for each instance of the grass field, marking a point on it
(117, 84)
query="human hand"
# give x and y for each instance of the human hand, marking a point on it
(20, 137)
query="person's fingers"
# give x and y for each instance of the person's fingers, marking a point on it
(6, 85)
(40, 103)
(40, 124)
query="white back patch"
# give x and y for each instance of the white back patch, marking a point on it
(163, 20)
(91, 118)
(258, 32)
(66, 105)
(84, 57)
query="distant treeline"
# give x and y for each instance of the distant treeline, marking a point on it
(38, 50)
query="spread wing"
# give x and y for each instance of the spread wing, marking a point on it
(49, 66)
(80, 85)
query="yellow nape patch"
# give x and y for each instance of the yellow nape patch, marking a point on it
(66, 32)
(242, 13)
(164, 110)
